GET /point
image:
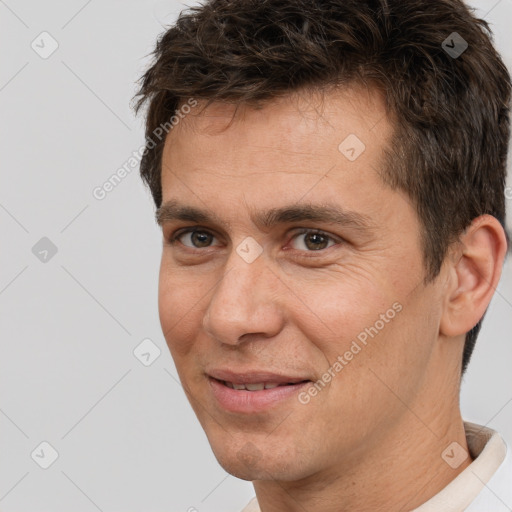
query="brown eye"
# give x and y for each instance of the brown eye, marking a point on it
(312, 241)
(195, 239)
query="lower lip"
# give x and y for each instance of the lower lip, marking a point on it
(250, 402)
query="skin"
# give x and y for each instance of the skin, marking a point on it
(372, 438)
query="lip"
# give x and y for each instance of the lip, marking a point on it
(252, 402)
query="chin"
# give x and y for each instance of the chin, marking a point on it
(248, 462)
(244, 473)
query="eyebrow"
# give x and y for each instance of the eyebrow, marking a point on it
(173, 210)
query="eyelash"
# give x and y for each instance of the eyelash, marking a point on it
(309, 231)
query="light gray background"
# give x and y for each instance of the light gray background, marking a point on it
(127, 438)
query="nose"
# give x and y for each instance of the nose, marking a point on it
(246, 303)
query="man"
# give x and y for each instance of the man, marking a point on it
(330, 189)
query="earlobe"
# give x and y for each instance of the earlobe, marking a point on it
(475, 273)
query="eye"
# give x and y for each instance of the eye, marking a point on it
(309, 240)
(193, 238)
(312, 240)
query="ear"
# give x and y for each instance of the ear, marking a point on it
(474, 268)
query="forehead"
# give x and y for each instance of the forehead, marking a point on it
(302, 125)
(305, 147)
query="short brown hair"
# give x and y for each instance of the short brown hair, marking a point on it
(450, 111)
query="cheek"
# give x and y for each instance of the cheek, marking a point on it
(333, 312)
(179, 308)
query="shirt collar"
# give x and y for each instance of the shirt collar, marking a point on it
(488, 449)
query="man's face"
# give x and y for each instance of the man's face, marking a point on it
(281, 302)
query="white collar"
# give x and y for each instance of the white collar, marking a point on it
(486, 482)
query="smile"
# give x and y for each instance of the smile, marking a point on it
(257, 396)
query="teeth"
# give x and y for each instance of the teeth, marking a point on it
(253, 387)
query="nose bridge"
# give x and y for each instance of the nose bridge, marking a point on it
(241, 302)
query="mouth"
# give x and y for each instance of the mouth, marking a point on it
(258, 386)
(253, 392)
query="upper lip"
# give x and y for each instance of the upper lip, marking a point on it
(254, 377)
